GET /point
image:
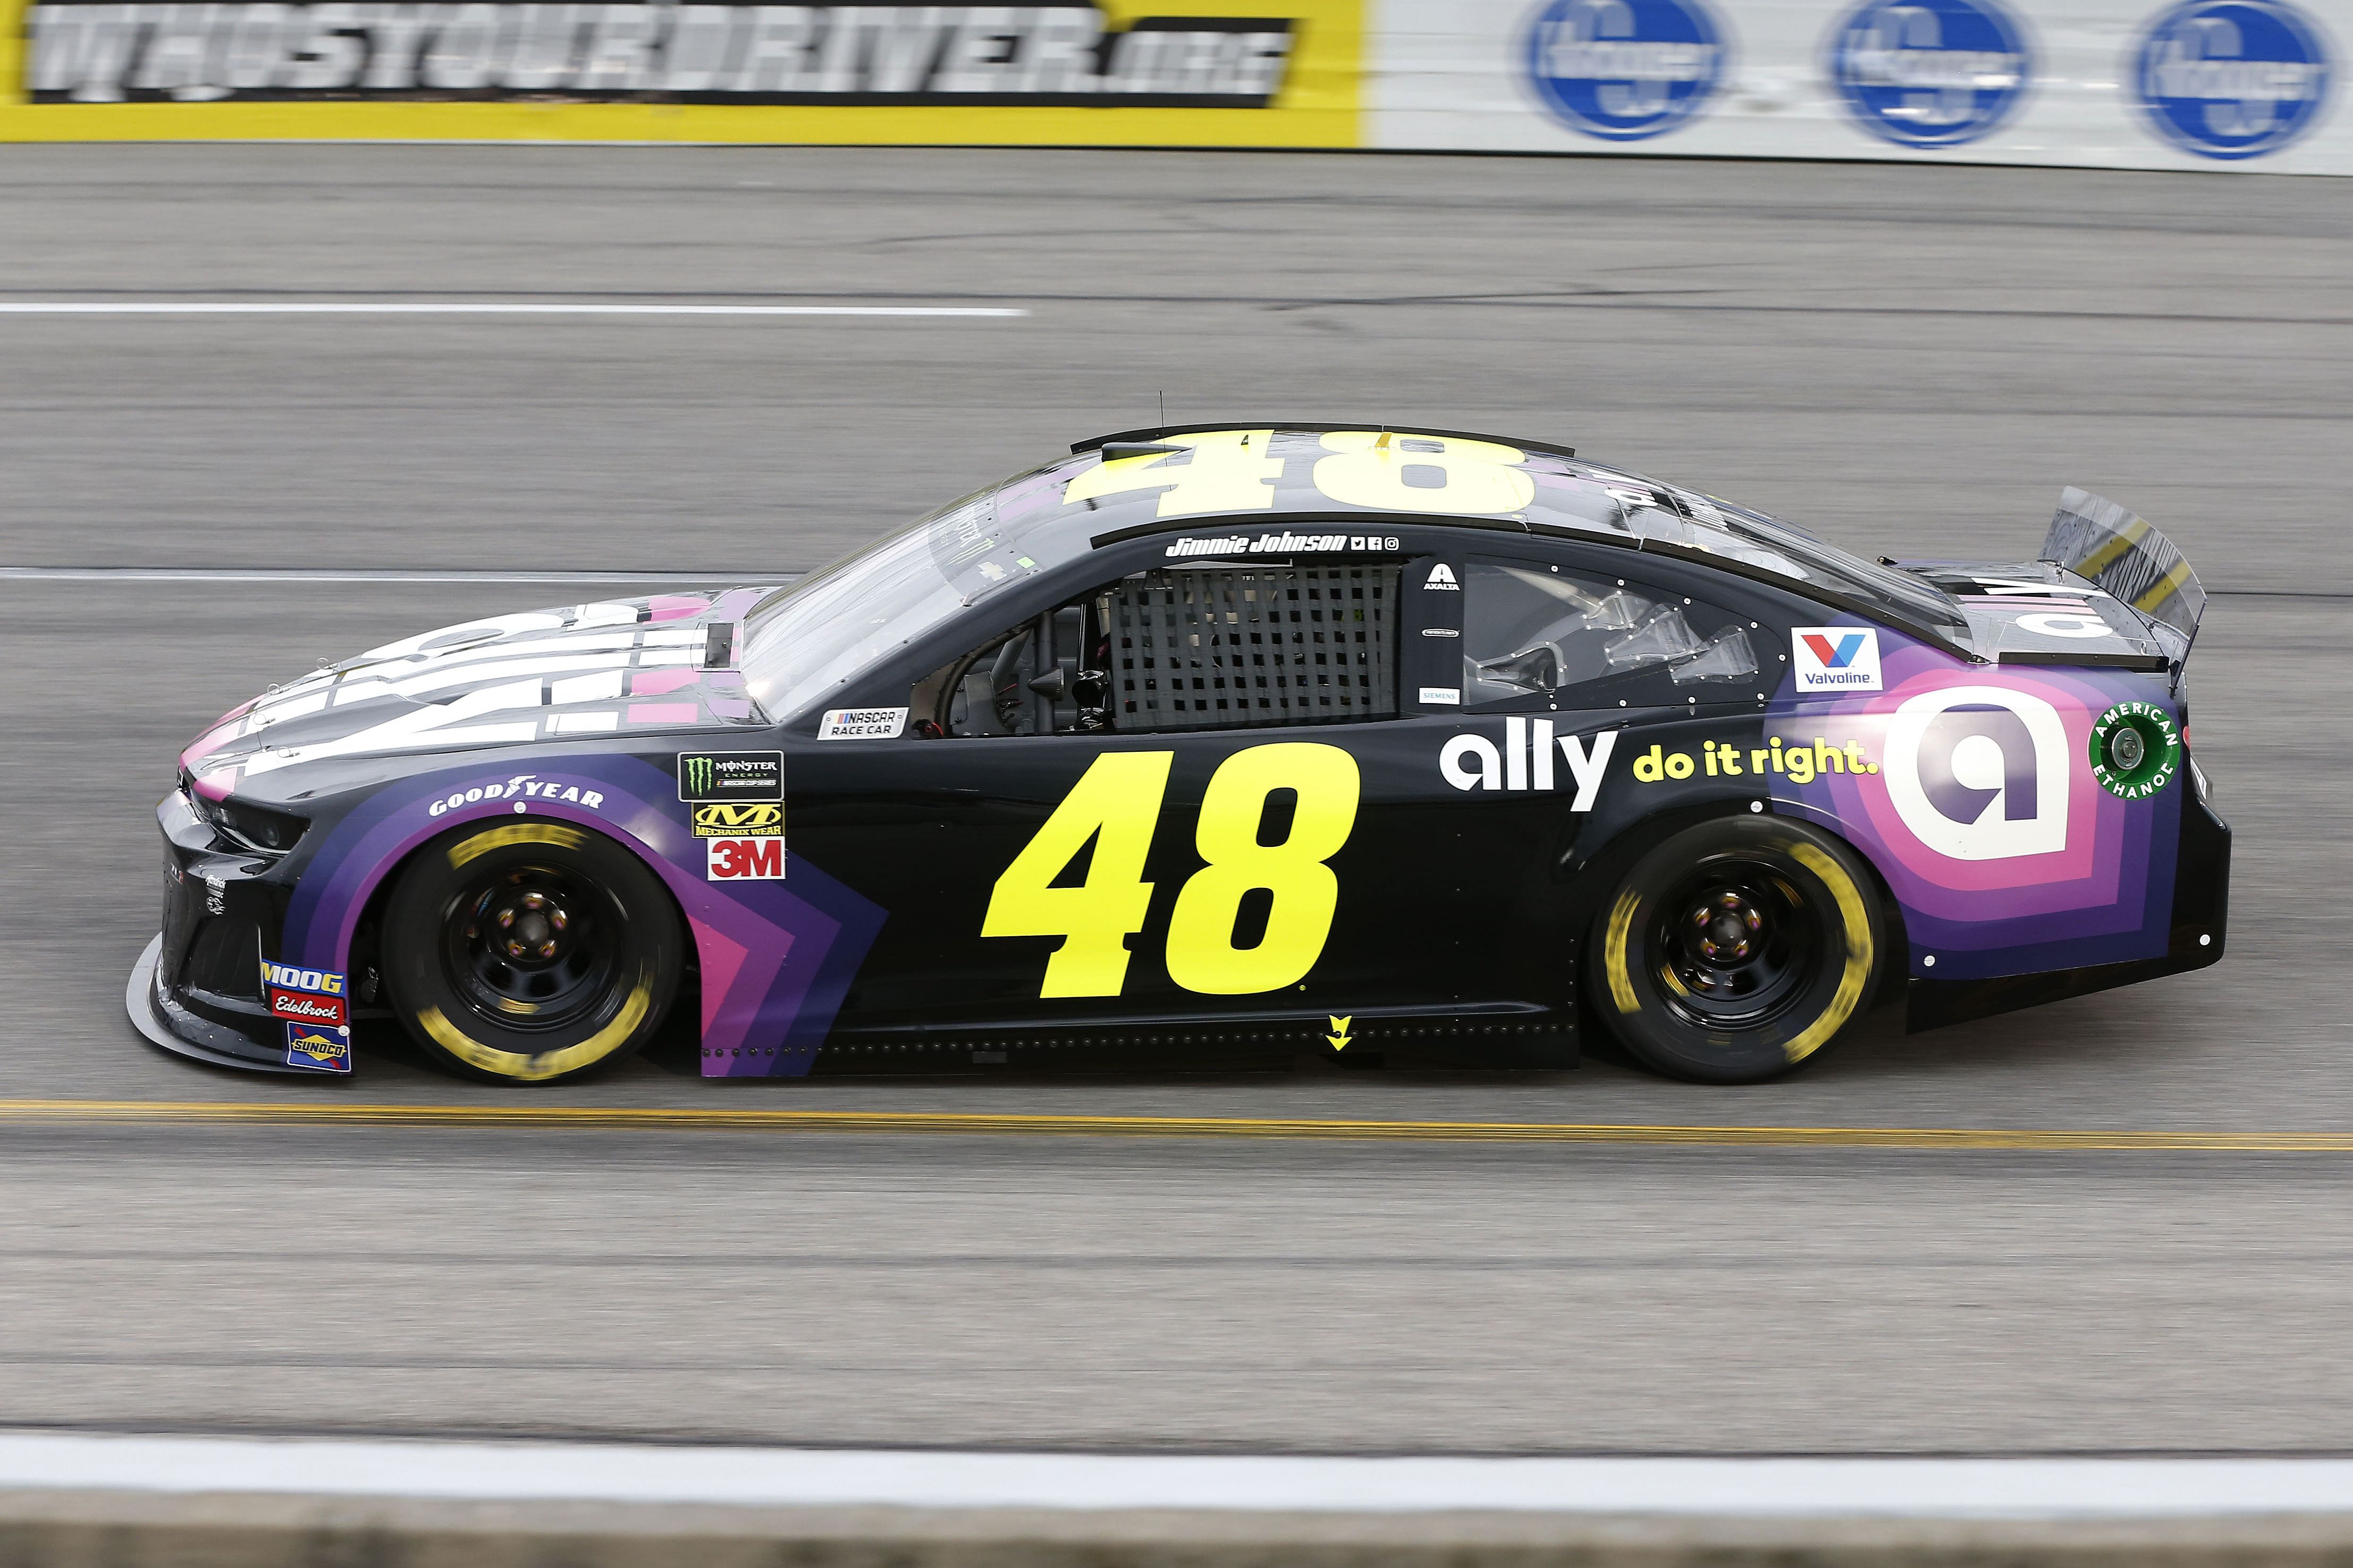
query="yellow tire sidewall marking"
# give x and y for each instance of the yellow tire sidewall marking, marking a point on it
(1857, 920)
(1613, 953)
(525, 1067)
(470, 849)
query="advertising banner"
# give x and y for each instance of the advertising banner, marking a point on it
(2160, 84)
(2147, 84)
(1085, 72)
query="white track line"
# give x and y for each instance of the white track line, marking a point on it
(1909, 1488)
(425, 308)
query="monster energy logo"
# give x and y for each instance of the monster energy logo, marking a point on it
(731, 775)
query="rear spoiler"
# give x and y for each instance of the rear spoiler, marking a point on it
(2125, 556)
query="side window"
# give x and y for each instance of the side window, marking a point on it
(1585, 642)
(1202, 648)
(1220, 646)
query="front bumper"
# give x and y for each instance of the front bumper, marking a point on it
(174, 1028)
(196, 990)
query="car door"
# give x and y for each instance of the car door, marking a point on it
(1221, 817)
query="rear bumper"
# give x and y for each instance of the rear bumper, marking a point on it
(2200, 925)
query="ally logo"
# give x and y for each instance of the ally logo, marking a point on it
(1978, 772)
(1836, 659)
(2231, 78)
(1625, 70)
(1930, 73)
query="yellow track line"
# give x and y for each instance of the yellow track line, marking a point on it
(720, 1118)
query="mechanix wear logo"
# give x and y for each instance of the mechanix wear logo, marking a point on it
(752, 819)
(1978, 772)
(731, 775)
(1069, 53)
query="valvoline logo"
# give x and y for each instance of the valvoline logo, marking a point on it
(1835, 658)
(2232, 78)
(1930, 73)
(1625, 70)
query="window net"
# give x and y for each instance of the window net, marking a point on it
(1220, 646)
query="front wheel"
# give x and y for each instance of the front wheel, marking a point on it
(530, 952)
(1737, 948)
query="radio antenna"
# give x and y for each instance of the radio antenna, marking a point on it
(1163, 410)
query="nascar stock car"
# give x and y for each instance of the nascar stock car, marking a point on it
(1208, 747)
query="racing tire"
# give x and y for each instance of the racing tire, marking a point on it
(1737, 948)
(530, 952)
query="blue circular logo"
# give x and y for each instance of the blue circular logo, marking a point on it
(1930, 73)
(2232, 78)
(1624, 69)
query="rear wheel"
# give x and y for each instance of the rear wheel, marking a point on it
(1737, 948)
(530, 952)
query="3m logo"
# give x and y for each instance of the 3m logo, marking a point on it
(744, 860)
(1978, 772)
(1442, 577)
(1836, 659)
(754, 820)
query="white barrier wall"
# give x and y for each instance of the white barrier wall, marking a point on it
(2163, 84)
(2207, 84)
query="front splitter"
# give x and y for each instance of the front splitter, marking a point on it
(148, 1017)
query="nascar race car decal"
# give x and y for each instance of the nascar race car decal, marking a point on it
(1217, 747)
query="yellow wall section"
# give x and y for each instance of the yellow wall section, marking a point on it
(1319, 106)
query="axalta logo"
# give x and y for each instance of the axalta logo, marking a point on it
(1525, 760)
(1442, 577)
(1836, 659)
(1978, 772)
(1280, 544)
(1930, 73)
(2232, 78)
(522, 786)
(1624, 69)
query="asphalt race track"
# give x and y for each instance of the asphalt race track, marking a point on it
(1914, 359)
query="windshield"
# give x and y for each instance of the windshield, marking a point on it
(803, 642)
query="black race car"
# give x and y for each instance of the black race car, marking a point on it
(1207, 747)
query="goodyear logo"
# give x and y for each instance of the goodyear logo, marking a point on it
(749, 820)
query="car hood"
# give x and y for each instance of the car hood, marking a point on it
(600, 670)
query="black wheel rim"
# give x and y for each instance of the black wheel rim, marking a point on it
(533, 948)
(1735, 944)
